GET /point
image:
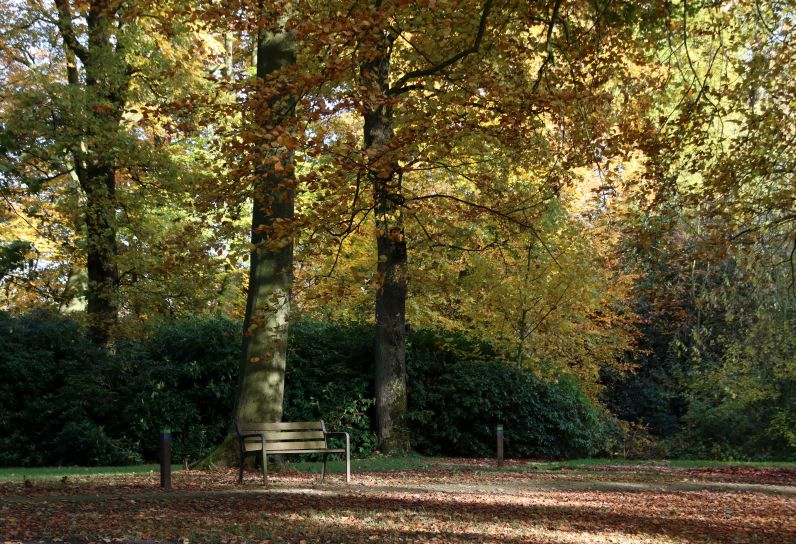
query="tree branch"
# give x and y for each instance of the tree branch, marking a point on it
(400, 85)
(68, 31)
(433, 244)
(507, 215)
(548, 46)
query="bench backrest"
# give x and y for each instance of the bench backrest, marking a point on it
(290, 435)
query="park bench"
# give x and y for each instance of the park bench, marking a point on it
(260, 439)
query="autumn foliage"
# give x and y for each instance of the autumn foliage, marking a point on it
(600, 195)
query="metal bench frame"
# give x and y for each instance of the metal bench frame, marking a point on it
(260, 439)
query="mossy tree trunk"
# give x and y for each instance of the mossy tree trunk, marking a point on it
(262, 370)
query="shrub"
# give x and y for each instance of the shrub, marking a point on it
(63, 401)
(459, 392)
(57, 403)
(330, 376)
(182, 376)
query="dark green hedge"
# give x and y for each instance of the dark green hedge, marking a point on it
(460, 391)
(59, 400)
(183, 376)
(329, 376)
(62, 401)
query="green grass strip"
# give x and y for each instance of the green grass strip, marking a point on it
(391, 464)
(41, 473)
(675, 463)
(696, 463)
(394, 464)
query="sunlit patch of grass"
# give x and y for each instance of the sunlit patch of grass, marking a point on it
(588, 463)
(44, 473)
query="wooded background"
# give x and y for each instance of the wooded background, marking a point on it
(593, 200)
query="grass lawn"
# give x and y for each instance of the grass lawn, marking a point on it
(677, 463)
(413, 499)
(42, 473)
(408, 463)
(418, 462)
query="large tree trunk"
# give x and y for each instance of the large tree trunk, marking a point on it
(262, 372)
(390, 348)
(101, 252)
(106, 84)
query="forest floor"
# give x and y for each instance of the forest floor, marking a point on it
(442, 500)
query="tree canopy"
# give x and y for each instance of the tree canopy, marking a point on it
(603, 191)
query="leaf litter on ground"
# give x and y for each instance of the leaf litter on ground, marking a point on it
(451, 502)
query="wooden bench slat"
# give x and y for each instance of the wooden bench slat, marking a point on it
(296, 445)
(256, 447)
(335, 450)
(288, 447)
(280, 436)
(283, 426)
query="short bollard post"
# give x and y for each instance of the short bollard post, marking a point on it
(165, 458)
(500, 445)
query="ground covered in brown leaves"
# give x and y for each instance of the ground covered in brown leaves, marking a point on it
(454, 502)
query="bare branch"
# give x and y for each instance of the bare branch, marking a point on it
(340, 243)
(553, 308)
(504, 215)
(507, 215)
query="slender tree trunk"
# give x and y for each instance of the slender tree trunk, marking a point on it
(255, 41)
(72, 298)
(229, 49)
(262, 372)
(390, 348)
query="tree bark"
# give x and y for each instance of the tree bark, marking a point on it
(106, 83)
(262, 371)
(101, 251)
(390, 339)
(229, 49)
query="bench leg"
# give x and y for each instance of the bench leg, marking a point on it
(265, 467)
(240, 472)
(347, 460)
(323, 468)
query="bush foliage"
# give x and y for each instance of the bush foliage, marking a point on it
(58, 399)
(64, 402)
(460, 391)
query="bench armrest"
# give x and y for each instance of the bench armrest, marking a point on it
(242, 440)
(347, 452)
